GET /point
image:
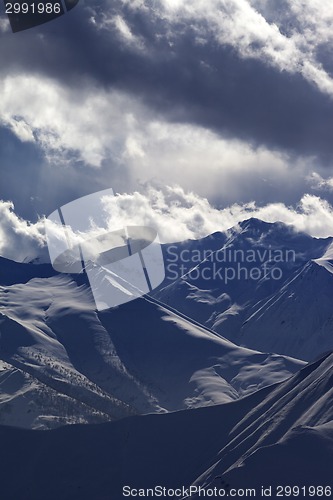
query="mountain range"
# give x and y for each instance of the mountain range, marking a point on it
(279, 435)
(262, 289)
(63, 362)
(220, 378)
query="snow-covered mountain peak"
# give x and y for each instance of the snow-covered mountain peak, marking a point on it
(266, 288)
(254, 224)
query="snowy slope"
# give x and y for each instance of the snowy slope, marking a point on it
(184, 251)
(286, 439)
(285, 306)
(278, 435)
(26, 402)
(298, 318)
(139, 358)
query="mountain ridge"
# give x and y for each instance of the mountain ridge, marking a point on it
(184, 448)
(227, 292)
(138, 358)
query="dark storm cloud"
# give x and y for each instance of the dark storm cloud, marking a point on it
(154, 78)
(206, 84)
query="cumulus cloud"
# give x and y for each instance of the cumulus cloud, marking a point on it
(175, 214)
(319, 183)
(178, 215)
(64, 123)
(226, 98)
(19, 240)
(110, 129)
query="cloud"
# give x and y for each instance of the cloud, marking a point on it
(312, 215)
(319, 183)
(64, 123)
(232, 67)
(19, 240)
(257, 32)
(96, 138)
(175, 214)
(213, 96)
(178, 215)
(240, 24)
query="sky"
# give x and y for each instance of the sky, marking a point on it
(198, 114)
